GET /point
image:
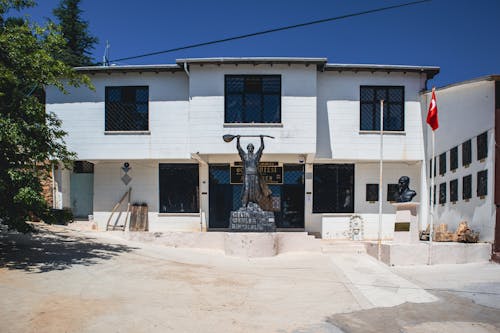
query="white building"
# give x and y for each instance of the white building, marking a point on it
(466, 180)
(167, 121)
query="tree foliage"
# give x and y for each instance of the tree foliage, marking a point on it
(79, 43)
(29, 137)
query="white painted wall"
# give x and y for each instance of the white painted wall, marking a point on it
(296, 134)
(338, 121)
(465, 111)
(109, 188)
(82, 113)
(336, 226)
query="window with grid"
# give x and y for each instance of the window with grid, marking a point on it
(466, 153)
(252, 99)
(333, 188)
(178, 188)
(482, 146)
(394, 111)
(454, 190)
(467, 187)
(127, 108)
(442, 163)
(454, 158)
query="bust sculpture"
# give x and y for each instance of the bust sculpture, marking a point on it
(404, 194)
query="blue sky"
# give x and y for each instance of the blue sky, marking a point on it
(460, 36)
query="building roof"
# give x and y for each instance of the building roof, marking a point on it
(320, 63)
(129, 68)
(431, 71)
(492, 77)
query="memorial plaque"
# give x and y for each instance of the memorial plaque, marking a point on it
(402, 226)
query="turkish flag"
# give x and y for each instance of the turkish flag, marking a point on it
(432, 114)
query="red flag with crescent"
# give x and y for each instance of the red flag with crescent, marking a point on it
(432, 114)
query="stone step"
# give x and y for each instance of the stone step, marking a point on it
(352, 247)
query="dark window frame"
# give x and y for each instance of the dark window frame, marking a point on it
(467, 153)
(482, 146)
(245, 92)
(83, 167)
(467, 187)
(442, 193)
(442, 164)
(392, 189)
(170, 201)
(482, 190)
(334, 191)
(372, 192)
(454, 158)
(114, 111)
(454, 190)
(375, 103)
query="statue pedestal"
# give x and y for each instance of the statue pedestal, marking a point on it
(252, 219)
(406, 224)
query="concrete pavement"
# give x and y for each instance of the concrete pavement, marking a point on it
(67, 281)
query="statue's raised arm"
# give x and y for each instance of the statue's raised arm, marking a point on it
(241, 152)
(261, 148)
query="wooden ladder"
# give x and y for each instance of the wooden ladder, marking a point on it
(115, 225)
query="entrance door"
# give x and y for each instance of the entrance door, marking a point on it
(288, 197)
(82, 189)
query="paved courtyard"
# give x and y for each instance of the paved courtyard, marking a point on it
(61, 280)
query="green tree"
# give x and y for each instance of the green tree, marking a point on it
(29, 137)
(79, 43)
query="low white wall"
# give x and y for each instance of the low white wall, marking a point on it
(336, 226)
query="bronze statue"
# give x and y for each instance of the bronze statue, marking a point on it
(255, 188)
(404, 194)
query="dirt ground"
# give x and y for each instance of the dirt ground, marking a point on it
(61, 280)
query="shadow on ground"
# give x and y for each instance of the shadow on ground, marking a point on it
(48, 250)
(408, 317)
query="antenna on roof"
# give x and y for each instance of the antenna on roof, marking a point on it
(105, 57)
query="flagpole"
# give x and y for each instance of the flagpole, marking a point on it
(433, 176)
(433, 195)
(380, 201)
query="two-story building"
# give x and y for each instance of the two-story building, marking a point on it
(158, 130)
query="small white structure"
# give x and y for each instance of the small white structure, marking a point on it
(166, 122)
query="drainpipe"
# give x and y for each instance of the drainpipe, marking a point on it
(186, 69)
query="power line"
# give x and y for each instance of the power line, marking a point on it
(273, 30)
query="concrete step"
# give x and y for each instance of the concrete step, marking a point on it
(341, 246)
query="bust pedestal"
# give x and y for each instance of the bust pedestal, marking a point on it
(406, 224)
